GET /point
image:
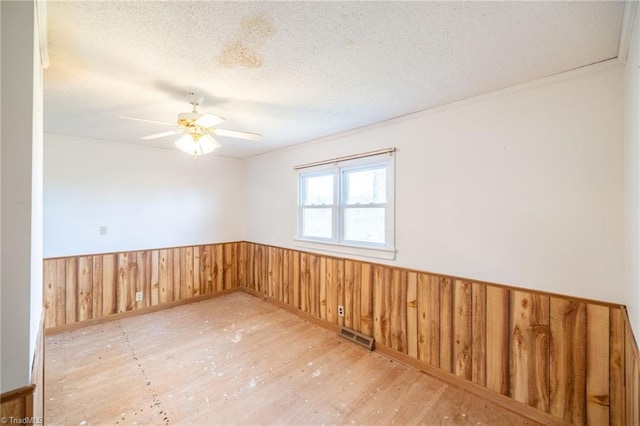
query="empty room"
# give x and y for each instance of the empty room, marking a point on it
(323, 212)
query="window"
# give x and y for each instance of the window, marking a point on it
(348, 203)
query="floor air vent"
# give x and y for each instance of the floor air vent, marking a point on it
(357, 338)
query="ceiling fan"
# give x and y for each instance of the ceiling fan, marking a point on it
(197, 129)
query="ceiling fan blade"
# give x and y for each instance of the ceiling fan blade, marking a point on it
(236, 134)
(124, 117)
(160, 135)
(209, 120)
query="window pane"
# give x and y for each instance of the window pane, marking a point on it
(316, 223)
(366, 225)
(366, 186)
(319, 190)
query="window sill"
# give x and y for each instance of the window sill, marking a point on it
(373, 252)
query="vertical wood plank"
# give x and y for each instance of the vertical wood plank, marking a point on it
(366, 298)
(241, 264)
(386, 277)
(381, 308)
(96, 280)
(297, 281)
(287, 279)
(498, 331)
(177, 279)
(164, 279)
(398, 306)
(332, 290)
(49, 275)
(256, 267)
(567, 360)
(71, 288)
(262, 278)
(155, 277)
(530, 349)
(60, 291)
(356, 302)
(84, 305)
(132, 280)
(412, 314)
(348, 293)
(143, 280)
(123, 285)
(597, 348)
(355, 295)
(479, 334)
(378, 303)
(446, 324)
(231, 266)
(304, 282)
(462, 301)
(197, 286)
(617, 412)
(206, 278)
(278, 274)
(187, 271)
(217, 267)
(326, 290)
(109, 284)
(271, 266)
(314, 284)
(323, 288)
(147, 277)
(249, 265)
(339, 285)
(422, 298)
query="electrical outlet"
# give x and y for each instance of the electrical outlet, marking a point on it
(138, 296)
(340, 311)
(103, 230)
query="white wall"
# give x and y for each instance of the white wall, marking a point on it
(37, 153)
(21, 279)
(147, 198)
(632, 177)
(522, 187)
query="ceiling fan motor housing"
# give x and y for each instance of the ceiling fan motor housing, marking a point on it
(188, 119)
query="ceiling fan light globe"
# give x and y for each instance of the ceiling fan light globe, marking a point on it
(206, 145)
(185, 144)
(196, 146)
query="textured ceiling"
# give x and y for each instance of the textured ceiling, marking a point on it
(296, 71)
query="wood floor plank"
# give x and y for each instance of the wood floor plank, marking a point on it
(237, 359)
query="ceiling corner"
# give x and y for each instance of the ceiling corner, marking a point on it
(630, 10)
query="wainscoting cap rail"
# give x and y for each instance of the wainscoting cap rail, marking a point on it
(345, 158)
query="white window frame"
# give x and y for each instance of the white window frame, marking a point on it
(338, 243)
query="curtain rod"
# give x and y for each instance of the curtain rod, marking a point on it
(345, 158)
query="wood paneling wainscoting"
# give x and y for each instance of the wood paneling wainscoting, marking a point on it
(574, 360)
(566, 360)
(94, 287)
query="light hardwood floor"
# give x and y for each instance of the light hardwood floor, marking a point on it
(236, 359)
